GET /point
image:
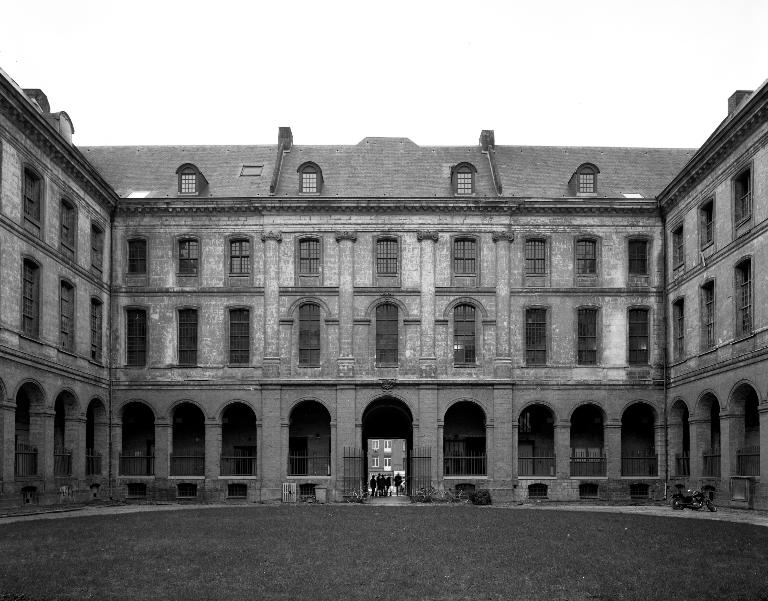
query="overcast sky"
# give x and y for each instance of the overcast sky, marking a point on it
(613, 73)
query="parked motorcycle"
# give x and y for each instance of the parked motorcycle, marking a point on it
(693, 499)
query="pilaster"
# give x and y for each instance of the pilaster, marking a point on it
(613, 449)
(427, 359)
(212, 449)
(271, 363)
(503, 362)
(41, 436)
(7, 441)
(74, 440)
(162, 448)
(563, 449)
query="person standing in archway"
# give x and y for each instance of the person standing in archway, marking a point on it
(398, 482)
(373, 485)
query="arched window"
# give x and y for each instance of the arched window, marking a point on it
(309, 335)
(30, 307)
(67, 316)
(33, 201)
(191, 180)
(67, 229)
(310, 179)
(464, 332)
(386, 334)
(463, 179)
(96, 329)
(584, 179)
(678, 328)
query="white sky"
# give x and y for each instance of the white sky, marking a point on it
(614, 73)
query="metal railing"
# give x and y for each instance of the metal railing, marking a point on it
(238, 466)
(92, 463)
(302, 464)
(583, 466)
(538, 464)
(465, 465)
(711, 463)
(26, 461)
(748, 461)
(640, 465)
(683, 465)
(62, 462)
(187, 465)
(137, 465)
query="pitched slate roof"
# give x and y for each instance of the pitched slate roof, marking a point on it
(387, 167)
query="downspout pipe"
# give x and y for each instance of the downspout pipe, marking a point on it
(110, 451)
(665, 349)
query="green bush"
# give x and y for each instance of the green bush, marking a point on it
(481, 497)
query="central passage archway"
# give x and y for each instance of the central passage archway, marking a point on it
(387, 438)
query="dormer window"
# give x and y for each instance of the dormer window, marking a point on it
(584, 180)
(310, 179)
(463, 179)
(191, 181)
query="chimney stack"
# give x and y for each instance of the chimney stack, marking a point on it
(285, 138)
(39, 99)
(736, 99)
(487, 140)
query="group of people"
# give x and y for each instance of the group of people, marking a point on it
(381, 486)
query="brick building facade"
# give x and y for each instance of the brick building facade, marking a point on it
(268, 310)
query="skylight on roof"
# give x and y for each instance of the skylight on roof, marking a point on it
(632, 195)
(251, 170)
(139, 194)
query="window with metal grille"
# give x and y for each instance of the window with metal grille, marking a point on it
(189, 251)
(386, 256)
(586, 257)
(678, 327)
(678, 247)
(137, 257)
(31, 299)
(386, 334)
(464, 256)
(186, 490)
(309, 334)
(638, 336)
(188, 181)
(187, 341)
(535, 257)
(707, 215)
(309, 256)
(237, 490)
(588, 490)
(96, 326)
(708, 315)
(67, 229)
(587, 336)
(136, 337)
(586, 183)
(239, 257)
(97, 247)
(137, 489)
(535, 336)
(743, 296)
(464, 181)
(638, 257)
(537, 491)
(239, 336)
(742, 196)
(464, 332)
(309, 180)
(306, 491)
(66, 316)
(33, 191)
(638, 490)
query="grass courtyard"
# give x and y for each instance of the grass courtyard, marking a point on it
(353, 552)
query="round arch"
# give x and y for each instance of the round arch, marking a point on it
(596, 404)
(529, 404)
(174, 406)
(465, 300)
(740, 392)
(121, 408)
(651, 407)
(292, 312)
(704, 404)
(308, 399)
(386, 300)
(228, 404)
(34, 392)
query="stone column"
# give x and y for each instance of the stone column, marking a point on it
(613, 449)
(117, 450)
(346, 359)
(271, 365)
(504, 450)
(41, 437)
(661, 457)
(74, 440)
(438, 470)
(7, 440)
(489, 459)
(274, 430)
(163, 442)
(563, 449)
(515, 463)
(101, 443)
(426, 434)
(427, 359)
(763, 411)
(212, 449)
(502, 365)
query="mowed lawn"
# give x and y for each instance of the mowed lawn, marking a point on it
(392, 553)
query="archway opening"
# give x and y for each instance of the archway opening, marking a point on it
(680, 438)
(464, 440)
(28, 428)
(137, 455)
(638, 449)
(587, 452)
(238, 441)
(63, 408)
(747, 430)
(709, 436)
(536, 441)
(96, 437)
(309, 440)
(188, 454)
(388, 440)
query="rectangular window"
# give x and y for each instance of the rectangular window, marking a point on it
(309, 182)
(31, 300)
(386, 334)
(239, 336)
(586, 183)
(97, 248)
(535, 336)
(386, 256)
(743, 296)
(464, 257)
(375, 462)
(309, 257)
(678, 247)
(239, 257)
(33, 191)
(387, 445)
(387, 462)
(136, 337)
(708, 315)
(309, 335)
(67, 316)
(464, 182)
(638, 336)
(187, 337)
(742, 196)
(678, 328)
(638, 257)
(535, 257)
(137, 257)
(188, 183)
(707, 215)
(464, 328)
(96, 327)
(587, 336)
(188, 257)
(586, 257)
(375, 445)
(67, 229)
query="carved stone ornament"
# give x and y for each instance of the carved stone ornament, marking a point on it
(427, 235)
(346, 235)
(508, 236)
(387, 295)
(388, 384)
(271, 236)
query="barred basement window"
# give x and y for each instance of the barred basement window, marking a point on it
(537, 491)
(189, 251)
(743, 298)
(137, 257)
(639, 490)
(386, 256)
(239, 336)
(309, 335)
(30, 312)
(187, 342)
(535, 257)
(638, 336)
(742, 196)
(186, 490)
(707, 222)
(588, 490)
(708, 315)
(464, 256)
(33, 200)
(678, 327)
(97, 248)
(67, 316)
(386, 334)
(309, 256)
(137, 489)
(535, 336)
(306, 491)
(136, 337)
(237, 490)
(239, 257)
(586, 257)
(638, 257)
(464, 330)
(587, 336)
(67, 229)
(96, 327)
